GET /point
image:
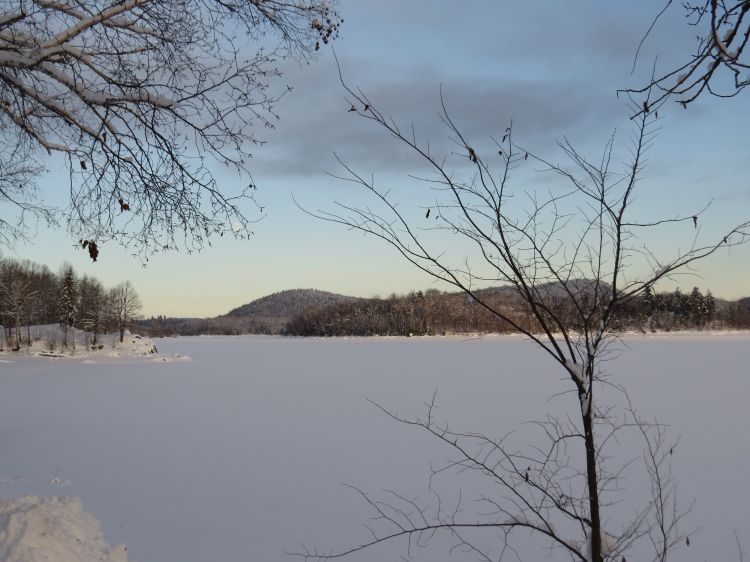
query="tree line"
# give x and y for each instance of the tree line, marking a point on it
(32, 294)
(433, 312)
(166, 326)
(436, 313)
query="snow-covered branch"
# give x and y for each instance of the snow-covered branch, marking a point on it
(142, 96)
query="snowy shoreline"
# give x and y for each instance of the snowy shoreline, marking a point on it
(477, 335)
(628, 333)
(47, 343)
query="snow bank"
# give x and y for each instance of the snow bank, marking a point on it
(37, 529)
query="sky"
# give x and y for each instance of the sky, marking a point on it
(553, 68)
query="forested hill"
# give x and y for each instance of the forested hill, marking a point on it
(286, 304)
(267, 315)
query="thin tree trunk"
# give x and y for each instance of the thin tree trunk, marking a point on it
(592, 478)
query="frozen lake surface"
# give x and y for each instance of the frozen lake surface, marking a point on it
(241, 454)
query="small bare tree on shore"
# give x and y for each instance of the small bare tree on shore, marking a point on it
(576, 255)
(17, 297)
(123, 306)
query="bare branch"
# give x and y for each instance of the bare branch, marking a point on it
(143, 97)
(719, 64)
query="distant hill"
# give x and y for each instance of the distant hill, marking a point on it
(286, 304)
(267, 315)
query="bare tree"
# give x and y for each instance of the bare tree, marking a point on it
(17, 298)
(123, 306)
(719, 65)
(140, 96)
(575, 255)
(91, 300)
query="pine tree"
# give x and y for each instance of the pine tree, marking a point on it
(709, 304)
(696, 307)
(67, 304)
(649, 304)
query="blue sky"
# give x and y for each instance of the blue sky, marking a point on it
(551, 67)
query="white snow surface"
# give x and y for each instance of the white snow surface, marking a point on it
(240, 453)
(38, 529)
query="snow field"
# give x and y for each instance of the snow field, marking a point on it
(241, 453)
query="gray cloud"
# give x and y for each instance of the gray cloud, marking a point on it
(553, 69)
(316, 122)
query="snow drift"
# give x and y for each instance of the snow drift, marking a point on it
(38, 529)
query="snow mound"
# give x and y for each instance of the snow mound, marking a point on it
(37, 529)
(132, 345)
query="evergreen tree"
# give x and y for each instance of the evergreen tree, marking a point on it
(709, 305)
(67, 304)
(649, 303)
(696, 308)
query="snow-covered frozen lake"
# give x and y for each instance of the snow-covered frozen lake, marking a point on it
(240, 454)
